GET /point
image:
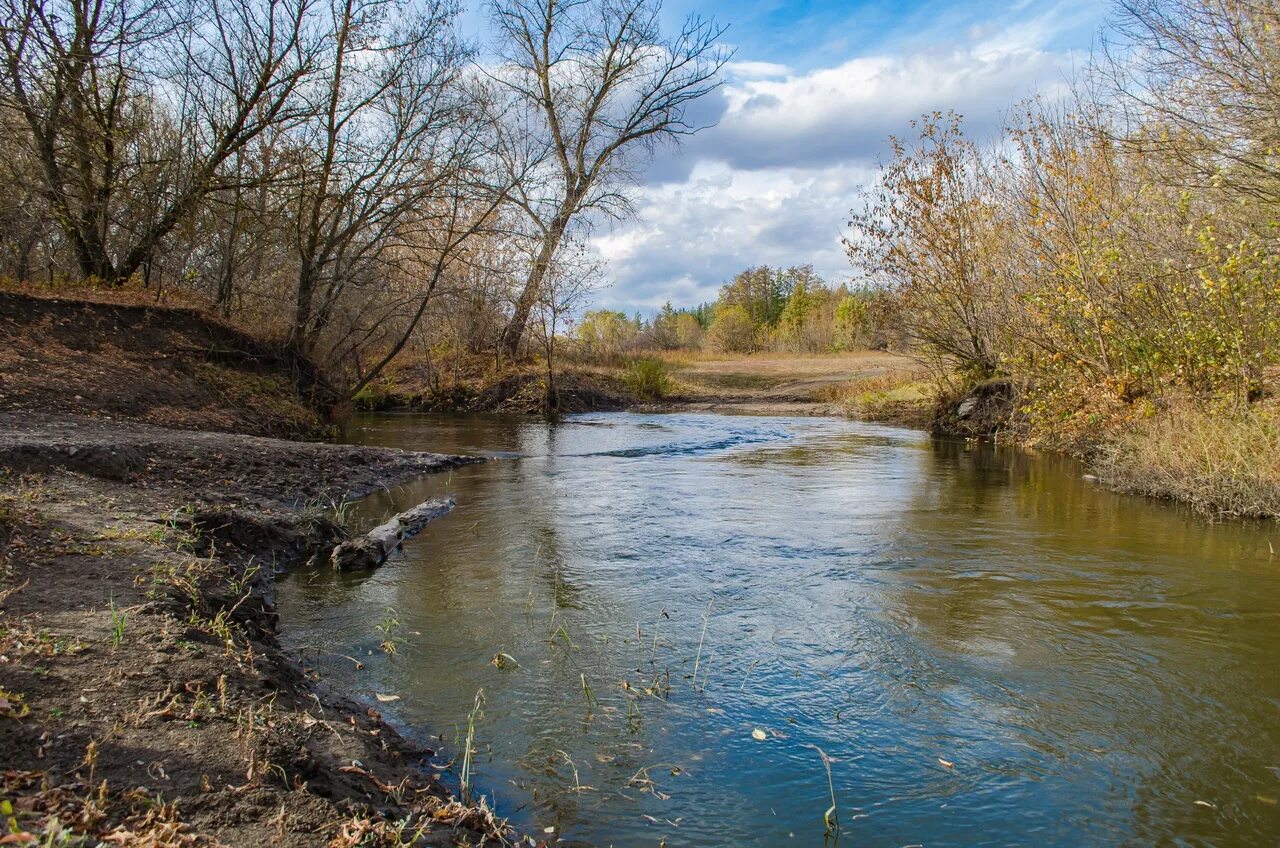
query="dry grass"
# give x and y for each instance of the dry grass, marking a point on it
(131, 293)
(787, 366)
(808, 378)
(1221, 461)
(900, 396)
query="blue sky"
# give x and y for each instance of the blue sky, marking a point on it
(813, 92)
(817, 34)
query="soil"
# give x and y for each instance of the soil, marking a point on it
(171, 366)
(985, 411)
(144, 698)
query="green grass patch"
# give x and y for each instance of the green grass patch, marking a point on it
(648, 378)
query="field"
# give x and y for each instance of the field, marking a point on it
(777, 383)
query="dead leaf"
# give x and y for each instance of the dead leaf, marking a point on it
(759, 735)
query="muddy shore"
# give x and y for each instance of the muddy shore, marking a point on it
(144, 697)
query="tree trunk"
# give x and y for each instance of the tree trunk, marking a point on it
(514, 332)
(302, 306)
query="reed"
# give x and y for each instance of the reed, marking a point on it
(830, 818)
(469, 746)
(697, 660)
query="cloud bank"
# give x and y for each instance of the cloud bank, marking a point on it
(775, 177)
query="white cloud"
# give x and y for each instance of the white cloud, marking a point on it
(773, 181)
(845, 113)
(755, 70)
(689, 237)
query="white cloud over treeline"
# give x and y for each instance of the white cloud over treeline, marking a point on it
(775, 177)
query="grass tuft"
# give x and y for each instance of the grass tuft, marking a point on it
(118, 619)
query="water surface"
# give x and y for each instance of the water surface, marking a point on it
(991, 650)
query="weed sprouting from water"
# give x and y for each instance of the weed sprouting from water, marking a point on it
(577, 782)
(697, 661)
(468, 747)
(388, 627)
(641, 780)
(743, 685)
(503, 660)
(561, 633)
(830, 818)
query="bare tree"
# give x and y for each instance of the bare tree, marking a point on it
(394, 125)
(134, 107)
(570, 281)
(427, 254)
(599, 86)
(24, 222)
(1205, 78)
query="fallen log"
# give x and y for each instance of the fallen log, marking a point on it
(372, 549)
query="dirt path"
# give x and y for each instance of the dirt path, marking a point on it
(779, 384)
(144, 699)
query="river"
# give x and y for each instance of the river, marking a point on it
(990, 650)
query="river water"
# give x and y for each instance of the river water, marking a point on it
(990, 650)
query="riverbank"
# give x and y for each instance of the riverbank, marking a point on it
(172, 366)
(1218, 454)
(145, 697)
(755, 384)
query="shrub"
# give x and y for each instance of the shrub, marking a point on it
(733, 331)
(373, 397)
(648, 378)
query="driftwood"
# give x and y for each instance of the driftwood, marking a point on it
(372, 549)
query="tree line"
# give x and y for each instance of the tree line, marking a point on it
(1114, 252)
(1119, 249)
(762, 308)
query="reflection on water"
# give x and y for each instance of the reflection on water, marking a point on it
(1098, 670)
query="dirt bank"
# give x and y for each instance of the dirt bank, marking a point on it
(162, 365)
(144, 698)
